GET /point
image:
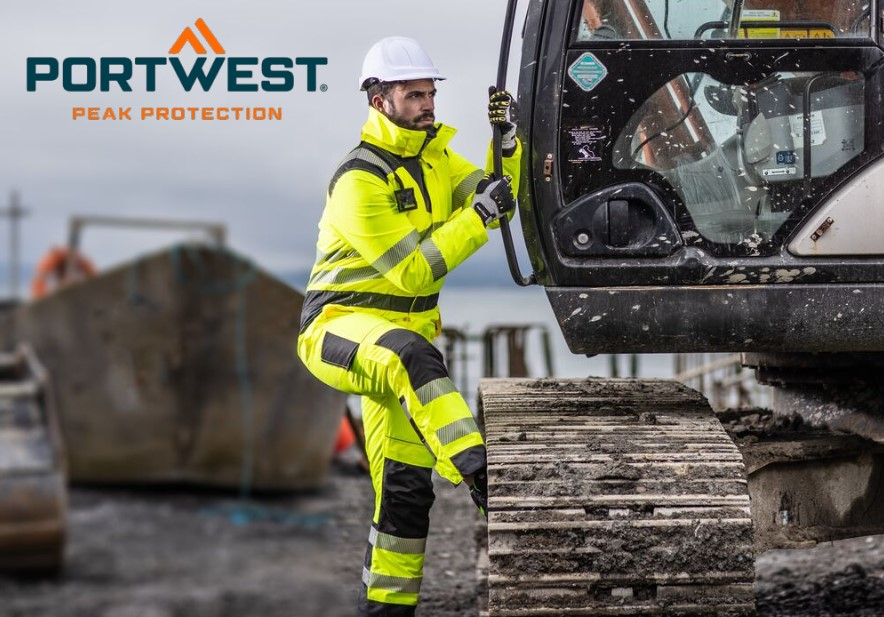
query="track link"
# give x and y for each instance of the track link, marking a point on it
(613, 497)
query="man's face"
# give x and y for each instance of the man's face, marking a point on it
(411, 104)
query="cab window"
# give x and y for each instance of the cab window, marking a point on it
(737, 154)
(599, 20)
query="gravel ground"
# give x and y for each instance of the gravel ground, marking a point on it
(835, 578)
(185, 554)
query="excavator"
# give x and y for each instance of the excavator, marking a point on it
(699, 176)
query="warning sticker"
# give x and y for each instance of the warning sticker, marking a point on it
(586, 144)
(786, 157)
(817, 128)
(792, 32)
(587, 72)
(807, 33)
(756, 32)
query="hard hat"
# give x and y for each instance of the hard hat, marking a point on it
(396, 58)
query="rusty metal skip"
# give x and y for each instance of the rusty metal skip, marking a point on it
(33, 492)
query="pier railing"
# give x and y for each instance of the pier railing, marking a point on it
(722, 379)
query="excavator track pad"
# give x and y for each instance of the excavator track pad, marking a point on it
(613, 497)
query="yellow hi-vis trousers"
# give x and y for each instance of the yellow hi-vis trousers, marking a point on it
(415, 420)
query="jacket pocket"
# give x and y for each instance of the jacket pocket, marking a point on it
(338, 351)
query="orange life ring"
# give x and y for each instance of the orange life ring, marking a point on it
(346, 436)
(52, 271)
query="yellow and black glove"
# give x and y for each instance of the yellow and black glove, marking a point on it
(499, 102)
(493, 198)
(479, 491)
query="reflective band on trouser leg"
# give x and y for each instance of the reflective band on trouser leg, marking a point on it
(369, 608)
(395, 557)
(401, 470)
(439, 411)
(361, 353)
(405, 546)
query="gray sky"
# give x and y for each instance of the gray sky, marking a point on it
(265, 180)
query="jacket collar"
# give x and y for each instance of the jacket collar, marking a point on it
(380, 131)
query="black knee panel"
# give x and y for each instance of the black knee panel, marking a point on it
(422, 361)
(406, 498)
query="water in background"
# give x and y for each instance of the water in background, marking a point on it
(472, 309)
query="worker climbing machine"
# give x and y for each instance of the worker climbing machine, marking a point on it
(613, 497)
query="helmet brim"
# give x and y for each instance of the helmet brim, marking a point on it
(370, 81)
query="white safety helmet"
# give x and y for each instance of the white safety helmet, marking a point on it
(396, 58)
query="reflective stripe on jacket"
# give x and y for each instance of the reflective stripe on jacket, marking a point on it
(396, 221)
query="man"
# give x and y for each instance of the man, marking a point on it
(591, 24)
(403, 210)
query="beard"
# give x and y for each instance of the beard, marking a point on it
(414, 123)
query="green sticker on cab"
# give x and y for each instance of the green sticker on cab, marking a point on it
(587, 72)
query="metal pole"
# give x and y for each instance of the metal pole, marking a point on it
(547, 351)
(14, 212)
(13, 244)
(497, 152)
(615, 369)
(217, 231)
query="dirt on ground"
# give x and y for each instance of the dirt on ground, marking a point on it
(182, 553)
(185, 553)
(834, 579)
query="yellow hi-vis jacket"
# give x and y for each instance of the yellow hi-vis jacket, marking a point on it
(397, 219)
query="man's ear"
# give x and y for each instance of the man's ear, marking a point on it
(377, 101)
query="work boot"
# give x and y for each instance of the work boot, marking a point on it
(478, 484)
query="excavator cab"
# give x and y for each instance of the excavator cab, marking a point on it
(703, 174)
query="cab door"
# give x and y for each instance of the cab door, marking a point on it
(672, 139)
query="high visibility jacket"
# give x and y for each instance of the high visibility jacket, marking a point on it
(397, 219)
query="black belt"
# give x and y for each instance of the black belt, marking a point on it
(315, 300)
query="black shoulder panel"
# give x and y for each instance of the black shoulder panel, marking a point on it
(355, 164)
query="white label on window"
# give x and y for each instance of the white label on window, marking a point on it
(760, 15)
(817, 129)
(779, 171)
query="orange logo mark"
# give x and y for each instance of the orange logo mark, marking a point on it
(187, 36)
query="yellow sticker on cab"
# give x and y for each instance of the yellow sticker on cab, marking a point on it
(759, 15)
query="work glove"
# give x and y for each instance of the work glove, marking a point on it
(499, 102)
(508, 138)
(479, 491)
(493, 198)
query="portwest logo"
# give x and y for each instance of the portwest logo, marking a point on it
(233, 74)
(187, 36)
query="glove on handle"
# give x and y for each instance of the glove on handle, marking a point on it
(499, 102)
(493, 198)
